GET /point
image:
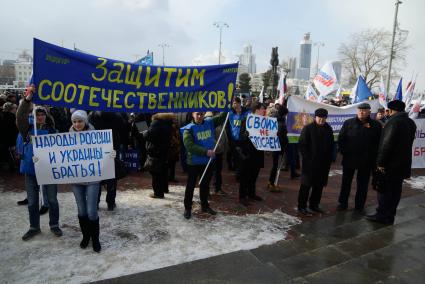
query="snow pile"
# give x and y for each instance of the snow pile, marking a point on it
(142, 234)
(335, 173)
(417, 182)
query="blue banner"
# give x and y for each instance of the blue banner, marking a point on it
(72, 79)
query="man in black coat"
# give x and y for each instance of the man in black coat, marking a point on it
(358, 143)
(316, 146)
(394, 161)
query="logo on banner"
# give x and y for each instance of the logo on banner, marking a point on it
(302, 119)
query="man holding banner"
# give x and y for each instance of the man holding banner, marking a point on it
(40, 126)
(316, 146)
(199, 141)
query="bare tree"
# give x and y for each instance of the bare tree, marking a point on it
(367, 54)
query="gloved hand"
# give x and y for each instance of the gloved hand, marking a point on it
(210, 153)
(113, 154)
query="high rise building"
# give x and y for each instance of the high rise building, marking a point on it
(292, 66)
(303, 70)
(248, 59)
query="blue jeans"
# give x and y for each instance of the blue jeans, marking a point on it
(33, 190)
(86, 198)
(45, 199)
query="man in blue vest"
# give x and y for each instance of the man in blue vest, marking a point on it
(199, 141)
(237, 114)
(45, 125)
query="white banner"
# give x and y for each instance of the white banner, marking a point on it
(301, 113)
(74, 157)
(263, 132)
(418, 151)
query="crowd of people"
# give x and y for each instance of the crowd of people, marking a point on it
(371, 147)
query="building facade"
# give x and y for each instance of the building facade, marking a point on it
(303, 70)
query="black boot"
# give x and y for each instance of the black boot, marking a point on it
(94, 232)
(85, 229)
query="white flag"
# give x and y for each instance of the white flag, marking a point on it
(382, 93)
(325, 81)
(261, 96)
(409, 93)
(338, 94)
(353, 94)
(310, 94)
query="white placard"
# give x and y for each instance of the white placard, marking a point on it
(263, 132)
(74, 157)
(418, 148)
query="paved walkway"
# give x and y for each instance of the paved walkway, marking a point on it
(344, 248)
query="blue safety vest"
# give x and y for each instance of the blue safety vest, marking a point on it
(203, 135)
(235, 121)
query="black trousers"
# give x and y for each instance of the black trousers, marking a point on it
(218, 167)
(193, 172)
(172, 169)
(273, 172)
(363, 176)
(389, 199)
(315, 197)
(248, 179)
(111, 191)
(160, 180)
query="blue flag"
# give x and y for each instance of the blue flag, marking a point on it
(147, 60)
(362, 92)
(72, 79)
(399, 95)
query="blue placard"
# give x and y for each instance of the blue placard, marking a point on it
(131, 160)
(72, 79)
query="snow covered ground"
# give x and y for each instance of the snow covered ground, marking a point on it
(417, 182)
(142, 234)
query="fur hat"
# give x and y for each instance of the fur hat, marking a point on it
(79, 114)
(40, 109)
(397, 105)
(321, 112)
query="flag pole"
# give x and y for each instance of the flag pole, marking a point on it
(215, 148)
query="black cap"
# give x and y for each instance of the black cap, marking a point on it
(321, 112)
(397, 105)
(364, 106)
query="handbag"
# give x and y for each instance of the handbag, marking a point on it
(152, 164)
(379, 181)
(120, 170)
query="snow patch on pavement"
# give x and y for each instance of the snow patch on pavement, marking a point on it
(417, 182)
(141, 234)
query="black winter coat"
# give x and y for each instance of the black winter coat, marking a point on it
(158, 136)
(316, 146)
(9, 129)
(395, 146)
(253, 156)
(358, 142)
(110, 120)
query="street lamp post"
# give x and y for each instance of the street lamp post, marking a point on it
(392, 45)
(163, 46)
(220, 26)
(319, 44)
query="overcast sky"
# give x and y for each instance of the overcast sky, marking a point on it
(126, 29)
